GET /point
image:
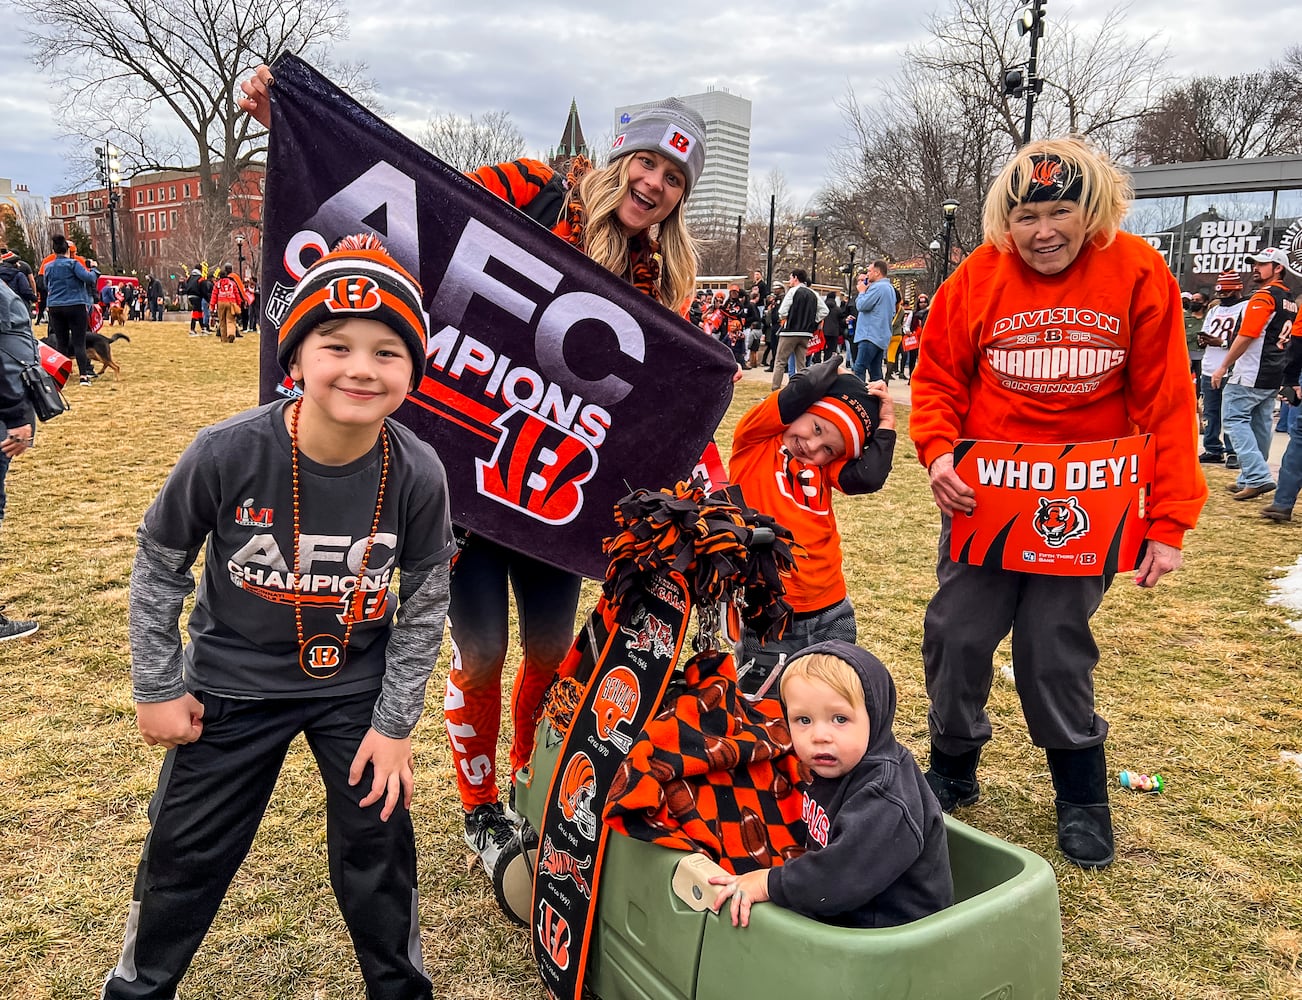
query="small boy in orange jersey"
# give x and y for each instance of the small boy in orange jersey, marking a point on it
(825, 430)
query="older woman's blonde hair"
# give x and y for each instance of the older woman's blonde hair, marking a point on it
(1104, 198)
(601, 192)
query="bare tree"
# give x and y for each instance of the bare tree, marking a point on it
(158, 77)
(1094, 83)
(943, 127)
(202, 236)
(1217, 118)
(911, 150)
(467, 143)
(34, 221)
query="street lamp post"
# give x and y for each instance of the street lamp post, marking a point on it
(936, 247)
(949, 208)
(813, 266)
(849, 273)
(110, 168)
(1025, 80)
(239, 249)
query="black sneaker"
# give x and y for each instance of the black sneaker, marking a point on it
(488, 833)
(1208, 457)
(88, 380)
(13, 629)
(1231, 461)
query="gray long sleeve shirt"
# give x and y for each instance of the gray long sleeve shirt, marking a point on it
(232, 490)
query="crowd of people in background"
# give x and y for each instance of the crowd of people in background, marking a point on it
(757, 325)
(116, 300)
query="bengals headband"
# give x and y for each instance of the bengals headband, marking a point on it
(1050, 180)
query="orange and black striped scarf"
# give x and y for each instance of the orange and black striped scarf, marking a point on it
(712, 772)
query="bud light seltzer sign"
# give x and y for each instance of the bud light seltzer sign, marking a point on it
(552, 388)
(1059, 509)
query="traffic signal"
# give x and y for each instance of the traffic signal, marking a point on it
(107, 165)
(1032, 19)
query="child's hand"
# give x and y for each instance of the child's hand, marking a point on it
(886, 408)
(744, 890)
(170, 723)
(393, 771)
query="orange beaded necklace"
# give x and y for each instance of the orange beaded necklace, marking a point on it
(323, 655)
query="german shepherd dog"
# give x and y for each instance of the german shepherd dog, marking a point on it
(97, 346)
(98, 349)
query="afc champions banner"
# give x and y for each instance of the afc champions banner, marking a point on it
(552, 388)
(1058, 509)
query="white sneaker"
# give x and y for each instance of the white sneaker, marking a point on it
(488, 833)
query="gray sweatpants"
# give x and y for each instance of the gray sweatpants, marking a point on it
(836, 622)
(1054, 653)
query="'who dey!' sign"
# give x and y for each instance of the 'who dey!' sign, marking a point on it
(1059, 509)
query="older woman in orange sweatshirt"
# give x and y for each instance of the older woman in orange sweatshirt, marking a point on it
(1059, 329)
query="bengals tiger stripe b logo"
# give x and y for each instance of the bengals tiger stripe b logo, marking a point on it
(1047, 173)
(354, 293)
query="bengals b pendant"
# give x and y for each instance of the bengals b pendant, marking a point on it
(322, 656)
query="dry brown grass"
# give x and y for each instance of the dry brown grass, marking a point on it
(1198, 678)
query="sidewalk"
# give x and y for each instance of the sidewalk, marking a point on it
(902, 397)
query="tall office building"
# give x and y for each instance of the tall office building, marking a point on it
(724, 185)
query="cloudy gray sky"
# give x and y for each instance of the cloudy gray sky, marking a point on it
(793, 61)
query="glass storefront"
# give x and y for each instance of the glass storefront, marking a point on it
(1202, 235)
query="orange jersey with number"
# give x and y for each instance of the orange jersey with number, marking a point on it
(799, 497)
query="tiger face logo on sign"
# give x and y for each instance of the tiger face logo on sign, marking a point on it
(1059, 521)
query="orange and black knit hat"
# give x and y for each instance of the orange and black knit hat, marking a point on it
(1229, 280)
(851, 408)
(357, 278)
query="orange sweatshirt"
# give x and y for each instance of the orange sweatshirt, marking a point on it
(1094, 353)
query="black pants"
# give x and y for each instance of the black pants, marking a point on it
(68, 326)
(1054, 653)
(210, 799)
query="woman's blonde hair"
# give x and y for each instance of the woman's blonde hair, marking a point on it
(1105, 191)
(604, 241)
(833, 671)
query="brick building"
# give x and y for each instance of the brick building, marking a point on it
(161, 224)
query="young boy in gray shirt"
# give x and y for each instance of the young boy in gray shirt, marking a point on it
(306, 508)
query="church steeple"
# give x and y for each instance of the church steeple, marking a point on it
(572, 143)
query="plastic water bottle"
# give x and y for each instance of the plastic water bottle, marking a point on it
(1137, 782)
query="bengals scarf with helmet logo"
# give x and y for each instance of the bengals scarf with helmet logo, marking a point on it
(676, 549)
(551, 384)
(628, 680)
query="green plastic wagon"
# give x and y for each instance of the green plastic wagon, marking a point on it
(655, 939)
